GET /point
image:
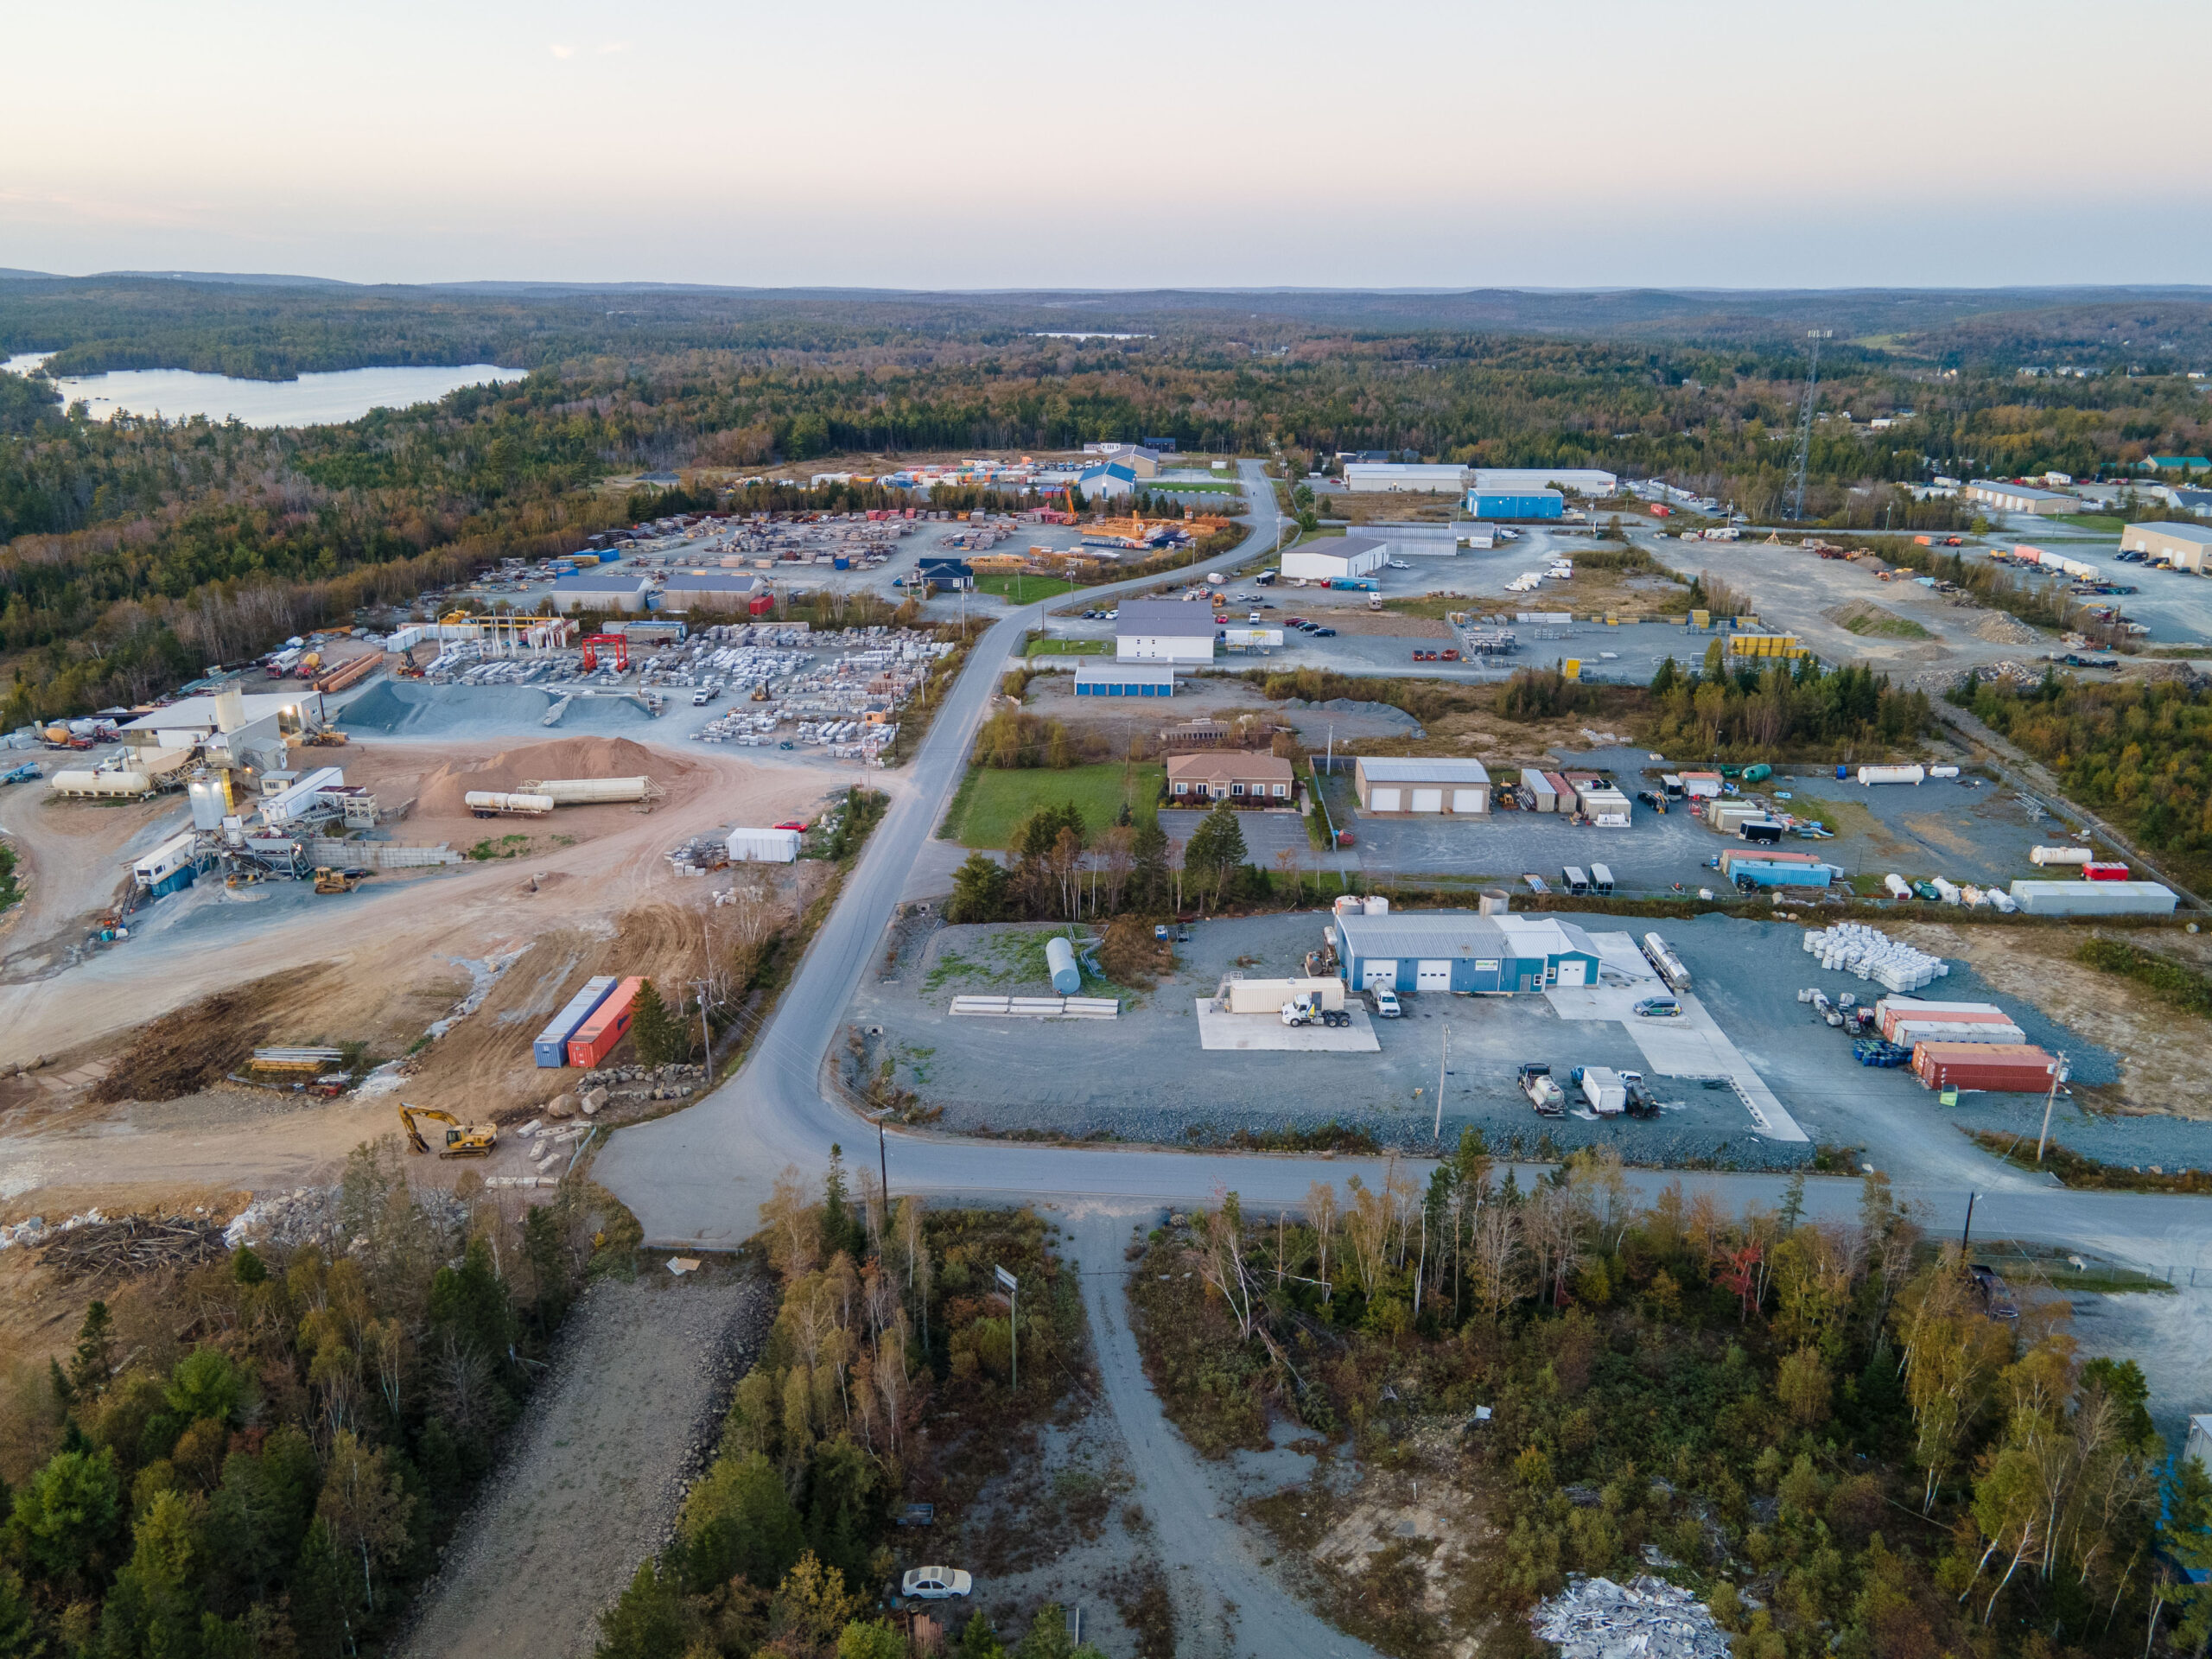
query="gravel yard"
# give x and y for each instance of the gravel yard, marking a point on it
(1144, 1077)
(591, 1485)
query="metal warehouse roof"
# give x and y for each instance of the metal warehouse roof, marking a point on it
(2025, 491)
(710, 582)
(1163, 616)
(1461, 933)
(1382, 769)
(1089, 670)
(2185, 532)
(599, 582)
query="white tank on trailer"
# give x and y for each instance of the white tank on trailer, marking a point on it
(2044, 855)
(1899, 887)
(101, 786)
(589, 792)
(1870, 775)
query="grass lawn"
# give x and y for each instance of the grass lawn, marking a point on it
(992, 800)
(1022, 589)
(1068, 647)
(2091, 521)
(1886, 625)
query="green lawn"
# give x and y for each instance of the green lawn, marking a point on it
(1022, 589)
(993, 800)
(1067, 647)
(2097, 521)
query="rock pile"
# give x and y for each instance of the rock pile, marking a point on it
(633, 1083)
(1596, 1618)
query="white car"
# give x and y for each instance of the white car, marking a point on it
(934, 1584)
(1386, 1003)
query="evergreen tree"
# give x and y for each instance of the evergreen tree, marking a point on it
(979, 891)
(1215, 849)
(660, 1035)
(1148, 870)
(93, 1362)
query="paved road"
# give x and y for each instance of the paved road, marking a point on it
(698, 1178)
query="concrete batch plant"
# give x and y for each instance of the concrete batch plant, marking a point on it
(1461, 951)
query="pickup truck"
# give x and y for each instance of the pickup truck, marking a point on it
(1543, 1089)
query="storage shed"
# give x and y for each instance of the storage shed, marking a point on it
(2094, 898)
(1462, 952)
(1388, 785)
(1333, 557)
(1102, 679)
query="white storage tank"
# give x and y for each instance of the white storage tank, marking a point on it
(763, 846)
(1948, 890)
(1942, 771)
(588, 791)
(499, 803)
(1378, 907)
(2048, 856)
(101, 786)
(1891, 774)
(1059, 957)
(1899, 887)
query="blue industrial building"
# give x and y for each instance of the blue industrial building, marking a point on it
(1461, 951)
(1112, 679)
(1521, 503)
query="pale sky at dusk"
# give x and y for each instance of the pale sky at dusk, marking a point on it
(987, 145)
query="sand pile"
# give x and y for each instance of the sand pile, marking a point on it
(443, 788)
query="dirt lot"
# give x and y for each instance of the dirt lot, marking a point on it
(2161, 1050)
(379, 966)
(591, 1485)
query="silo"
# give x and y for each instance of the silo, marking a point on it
(1059, 957)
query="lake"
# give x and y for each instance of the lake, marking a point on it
(311, 400)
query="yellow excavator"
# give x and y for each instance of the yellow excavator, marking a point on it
(462, 1140)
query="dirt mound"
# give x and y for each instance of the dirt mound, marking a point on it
(444, 788)
(198, 1045)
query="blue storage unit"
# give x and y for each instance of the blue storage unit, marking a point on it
(175, 881)
(1124, 679)
(1761, 873)
(1532, 503)
(552, 1048)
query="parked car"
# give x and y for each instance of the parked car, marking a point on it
(936, 1584)
(1325, 633)
(1254, 617)
(700, 699)
(1386, 1002)
(1658, 1007)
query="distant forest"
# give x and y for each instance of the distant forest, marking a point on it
(133, 553)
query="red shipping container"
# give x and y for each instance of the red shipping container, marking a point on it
(595, 1039)
(2104, 871)
(760, 605)
(2001, 1068)
(1892, 1018)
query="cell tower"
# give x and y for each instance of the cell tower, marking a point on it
(1805, 426)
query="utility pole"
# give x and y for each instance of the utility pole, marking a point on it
(1967, 1232)
(2058, 1074)
(883, 1164)
(1012, 1285)
(1805, 425)
(1442, 1066)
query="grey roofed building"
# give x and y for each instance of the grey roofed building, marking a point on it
(1463, 951)
(599, 589)
(1164, 616)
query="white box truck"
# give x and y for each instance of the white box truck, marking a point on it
(1602, 1087)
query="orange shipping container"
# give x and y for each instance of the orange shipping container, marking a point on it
(2003, 1068)
(596, 1038)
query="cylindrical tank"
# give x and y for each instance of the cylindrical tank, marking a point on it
(102, 785)
(1948, 890)
(493, 803)
(1891, 774)
(1378, 907)
(2059, 856)
(1942, 771)
(1899, 887)
(1059, 957)
(585, 791)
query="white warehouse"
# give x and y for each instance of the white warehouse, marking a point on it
(1521, 480)
(1382, 477)
(1333, 557)
(1163, 631)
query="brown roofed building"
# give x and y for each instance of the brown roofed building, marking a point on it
(1237, 776)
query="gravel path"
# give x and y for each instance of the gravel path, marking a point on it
(592, 1483)
(1226, 1605)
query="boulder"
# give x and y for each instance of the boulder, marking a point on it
(593, 1099)
(561, 1106)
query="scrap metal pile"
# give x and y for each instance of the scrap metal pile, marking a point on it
(1648, 1618)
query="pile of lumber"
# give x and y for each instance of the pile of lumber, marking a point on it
(130, 1244)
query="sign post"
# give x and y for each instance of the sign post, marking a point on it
(1012, 1285)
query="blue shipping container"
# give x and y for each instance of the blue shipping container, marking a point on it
(175, 881)
(1534, 504)
(1761, 874)
(552, 1048)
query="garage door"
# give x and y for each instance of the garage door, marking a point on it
(1570, 973)
(1382, 800)
(1432, 976)
(1468, 800)
(1429, 800)
(1384, 974)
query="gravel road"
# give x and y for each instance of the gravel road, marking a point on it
(591, 1485)
(1226, 1606)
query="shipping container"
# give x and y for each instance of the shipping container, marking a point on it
(1759, 830)
(2094, 898)
(763, 846)
(2095, 872)
(607, 1025)
(1764, 873)
(552, 1047)
(1732, 856)
(2000, 1069)
(1907, 1033)
(1895, 1011)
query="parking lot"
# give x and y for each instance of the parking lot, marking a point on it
(1145, 1076)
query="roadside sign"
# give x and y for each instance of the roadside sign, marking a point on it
(1006, 1280)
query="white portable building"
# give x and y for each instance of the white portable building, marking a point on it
(763, 846)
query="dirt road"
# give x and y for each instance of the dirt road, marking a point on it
(1226, 1603)
(592, 1483)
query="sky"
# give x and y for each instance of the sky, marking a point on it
(984, 143)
